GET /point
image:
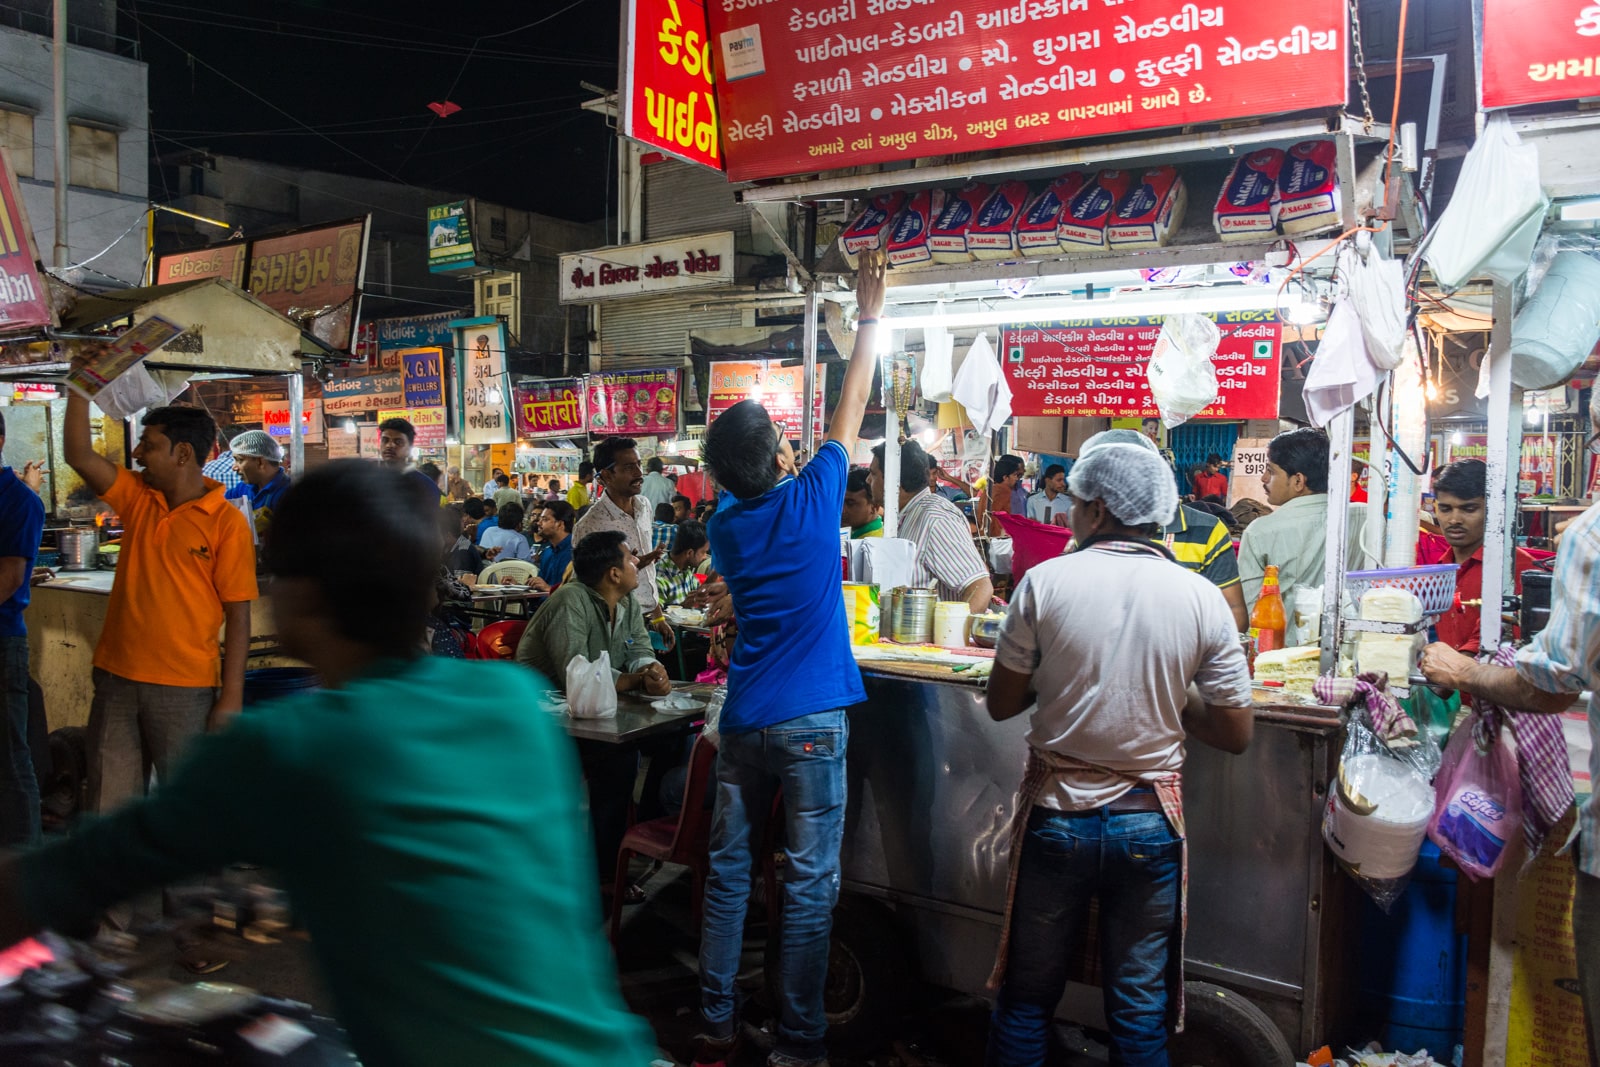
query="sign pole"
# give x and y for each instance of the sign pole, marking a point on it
(63, 163)
(808, 426)
(297, 430)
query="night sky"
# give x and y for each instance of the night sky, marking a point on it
(344, 87)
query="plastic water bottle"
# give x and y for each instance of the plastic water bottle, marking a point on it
(714, 710)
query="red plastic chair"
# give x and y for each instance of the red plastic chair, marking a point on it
(683, 839)
(507, 633)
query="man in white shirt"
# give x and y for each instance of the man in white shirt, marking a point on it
(1051, 503)
(621, 507)
(1122, 654)
(946, 556)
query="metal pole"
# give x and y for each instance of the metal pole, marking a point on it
(63, 170)
(297, 430)
(1505, 454)
(808, 430)
(891, 452)
(1341, 433)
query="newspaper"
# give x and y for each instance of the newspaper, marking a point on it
(122, 355)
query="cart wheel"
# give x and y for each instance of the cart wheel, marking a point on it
(868, 970)
(1223, 1029)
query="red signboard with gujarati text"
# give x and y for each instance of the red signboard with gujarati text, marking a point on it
(1097, 366)
(668, 101)
(641, 403)
(549, 409)
(218, 261)
(311, 276)
(812, 85)
(24, 294)
(777, 388)
(1539, 51)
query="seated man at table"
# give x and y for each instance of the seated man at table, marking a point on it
(506, 540)
(555, 533)
(946, 555)
(677, 575)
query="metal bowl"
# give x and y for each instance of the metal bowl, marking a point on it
(986, 629)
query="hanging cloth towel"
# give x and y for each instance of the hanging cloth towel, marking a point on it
(1341, 374)
(1389, 721)
(981, 388)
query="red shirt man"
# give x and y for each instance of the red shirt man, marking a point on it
(1210, 481)
(1460, 508)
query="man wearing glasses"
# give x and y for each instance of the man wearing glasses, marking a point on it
(620, 507)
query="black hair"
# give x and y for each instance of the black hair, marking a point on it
(1465, 479)
(596, 554)
(688, 504)
(664, 513)
(1006, 466)
(655, 465)
(741, 449)
(2, 425)
(510, 517)
(913, 466)
(1302, 451)
(360, 533)
(691, 536)
(489, 506)
(1212, 457)
(605, 453)
(502, 479)
(450, 521)
(1053, 470)
(563, 513)
(399, 425)
(497, 472)
(430, 469)
(473, 507)
(184, 425)
(554, 483)
(856, 482)
(585, 471)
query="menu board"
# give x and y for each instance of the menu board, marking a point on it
(642, 403)
(1097, 366)
(1539, 51)
(812, 85)
(780, 390)
(549, 409)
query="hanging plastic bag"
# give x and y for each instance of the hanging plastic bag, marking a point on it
(1377, 290)
(938, 367)
(1342, 373)
(1377, 814)
(136, 389)
(1478, 799)
(1557, 328)
(1183, 380)
(1495, 198)
(591, 691)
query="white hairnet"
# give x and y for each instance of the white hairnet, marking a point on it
(257, 443)
(1116, 437)
(1135, 483)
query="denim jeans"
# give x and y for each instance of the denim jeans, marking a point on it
(1133, 863)
(19, 789)
(806, 758)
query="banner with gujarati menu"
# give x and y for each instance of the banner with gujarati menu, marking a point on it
(1539, 51)
(549, 409)
(642, 403)
(1097, 366)
(780, 390)
(24, 295)
(810, 85)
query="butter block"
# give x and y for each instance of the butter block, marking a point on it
(1390, 604)
(1393, 654)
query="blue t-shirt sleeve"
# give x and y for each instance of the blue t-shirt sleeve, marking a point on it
(21, 521)
(824, 478)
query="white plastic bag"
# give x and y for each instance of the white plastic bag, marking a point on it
(591, 691)
(1183, 380)
(1342, 373)
(1557, 328)
(1377, 290)
(136, 389)
(938, 364)
(1496, 196)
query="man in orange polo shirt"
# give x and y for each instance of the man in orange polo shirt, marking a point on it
(1460, 493)
(187, 566)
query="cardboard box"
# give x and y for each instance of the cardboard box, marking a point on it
(1244, 207)
(947, 238)
(1308, 189)
(1149, 211)
(871, 226)
(907, 240)
(993, 233)
(1036, 231)
(1083, 223)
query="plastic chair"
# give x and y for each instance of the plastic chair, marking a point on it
(683, 839)
(507, 634)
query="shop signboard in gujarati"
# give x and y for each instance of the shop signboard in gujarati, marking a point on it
(275, 419)
(778, 388)
(641, 403)
(24, 294)
(412, 331)
(202, 264)
(428, 422)
(1539, 51)
(314, 277)
(422, 371)
(668, 101)
(1536, 473)
(843, 83)
(481, 362)
(1248, 466)
(450, 236)
(550, 408)
(1097, 366)
(658, 267)
(371, 392)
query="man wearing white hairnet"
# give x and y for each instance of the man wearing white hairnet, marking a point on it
(1198, 541)
(1123, 655)
(258, 461)
(1552, 669)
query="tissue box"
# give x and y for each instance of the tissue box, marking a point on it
(993, 233)
(1244, 209)
(1036, 231)
(1308, 189)
(1149, 211)
(1083, 223)
(907, 240)
(947, 237)
(871, 227)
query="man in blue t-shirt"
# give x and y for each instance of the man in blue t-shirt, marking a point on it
(775, 538)
(21, 523)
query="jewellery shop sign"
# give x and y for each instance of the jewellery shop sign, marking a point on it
(699, 262)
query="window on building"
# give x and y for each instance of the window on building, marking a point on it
(16, 137)
(94, 157)
(497, 229)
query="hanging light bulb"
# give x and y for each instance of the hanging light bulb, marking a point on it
(1303, 303)
(349, 425)
(1431, 391)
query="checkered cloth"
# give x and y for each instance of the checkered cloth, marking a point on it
(1389, 721)
(221, 470)
(663, 535)
(1542, 765)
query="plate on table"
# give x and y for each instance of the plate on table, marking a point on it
(677, 702)
(682, 616)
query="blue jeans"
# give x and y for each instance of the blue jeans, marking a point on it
(805, 757)
(19, 789)
(1133, 863)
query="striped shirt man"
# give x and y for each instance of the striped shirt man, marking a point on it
(946, 555)
(1201, 543)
